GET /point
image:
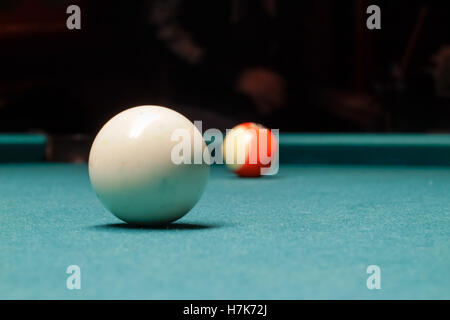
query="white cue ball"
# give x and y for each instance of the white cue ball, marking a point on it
(131, 170)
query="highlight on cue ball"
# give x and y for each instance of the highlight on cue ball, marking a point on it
(131, 169)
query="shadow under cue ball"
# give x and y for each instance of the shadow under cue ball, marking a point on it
(131, 168)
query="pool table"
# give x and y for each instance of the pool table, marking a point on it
(340, 203)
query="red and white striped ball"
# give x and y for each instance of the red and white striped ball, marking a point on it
(248, 148)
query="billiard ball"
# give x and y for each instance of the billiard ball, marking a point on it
(248, 148)
(131, 168)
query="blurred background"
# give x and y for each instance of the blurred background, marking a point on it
(304, 66)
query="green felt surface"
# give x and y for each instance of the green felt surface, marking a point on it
(309, 232)
(22, 147)
(370, 149)
(358, 139)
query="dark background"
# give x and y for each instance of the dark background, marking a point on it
(335, 74)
